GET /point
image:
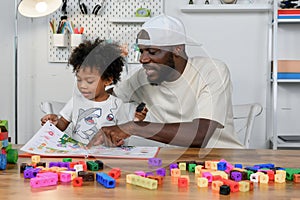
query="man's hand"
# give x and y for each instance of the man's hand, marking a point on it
(109, 136)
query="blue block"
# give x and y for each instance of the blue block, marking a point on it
(3, 161)
(240, 166)
(222, 166)
(105, 180)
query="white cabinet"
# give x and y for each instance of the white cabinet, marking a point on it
(285, 80)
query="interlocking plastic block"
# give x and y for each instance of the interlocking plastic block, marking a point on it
(208, 164)
(48, 175)
(173, 166)
(3, 136)
(115, 173)
(266, 165)
(41, 164)
(93, 166)
(42, 181)
(254, 177)
(64, 164)
(141, 181)
(31, 172)
(100, 164)
(290, 173)
(279, 178)
(78, 167)
(149, 174)
(77, 182)
(3, 126)
(35, 158)
(175, 172)
(192, 167)
(215, 185)
(229, 166)
(23, 167)
(182, 166)
(253, 169)
(105, 180)
(140, 173)
(156, 162)
(236, 176)
(198, 169)
(214, 165)
(161, 172)
(244, 186)
(217, 178)
(72, 173)
(53, 164)
(65, 177)
(238, 165)
(234, 186)
(224, 190)
(67, 160)
(159, 179)
(271, 174)
(263, 178)
(296, 178)
(202, 182)
(4, 143)
(283, 172)
(86, 176)
(208, 176)
(182, 182)
(3, 161)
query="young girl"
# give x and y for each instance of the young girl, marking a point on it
(96, 65)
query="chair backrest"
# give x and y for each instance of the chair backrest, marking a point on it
(52, 107)
(244, 116)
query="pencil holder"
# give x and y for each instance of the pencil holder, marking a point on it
(76, 39)
(60, 40)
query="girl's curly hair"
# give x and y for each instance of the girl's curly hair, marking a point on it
(101, 55)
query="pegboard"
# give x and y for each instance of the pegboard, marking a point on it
(100, 25)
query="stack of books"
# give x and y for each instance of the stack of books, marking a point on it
(289, 14)
(288, 69)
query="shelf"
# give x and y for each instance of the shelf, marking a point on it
(281, 143)
(129, 20)
(226, 8)
(288, 20)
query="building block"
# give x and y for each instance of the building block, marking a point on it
(3, 136)
(198, 169)
(244, 186)
(3, 143)
(217, 178)
(254, 178)
(240, 166)
(224, 190)
(41, 164)
(202, 182)
(48, 175)
(100, 164)
(215, 185)
(42, 181)
(222, 166)
(229, 166)
(141, 181)
(3, 126)
(3, 161)
(77, 181)
(78, 167)
(279, 178)
(251, 185)
(296, 178)
(161, 171)
(149, 174)
(271, 174)
(214, 165)
(92, 166)
(182, 166)
(86, 176)
(31, 172)
(12, 156)
(105, 180)
(173, 166)
(155, 162)
(207, 164)
(72, 173)
(159, 179)
(264, 178)
(234, 186)
(175, 172)
(35, 158)
(208, 176)
(182, 182)
(67, 160)
(236, 176)
(140, 173)
(65, 177)
(192, 167)
(115, 173)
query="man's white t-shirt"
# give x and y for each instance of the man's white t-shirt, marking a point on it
(87, 116)
(202, 91)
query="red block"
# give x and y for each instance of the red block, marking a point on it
(115, 173)
(271, 175)
(234, 186)
(182, 182)
(217, 178)
(158, 178)
(3, 135)
(77, 182)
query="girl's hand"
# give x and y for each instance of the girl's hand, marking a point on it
(53, 118)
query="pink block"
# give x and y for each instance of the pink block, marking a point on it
(140, 173)
(207, 175)
(65, 177)
(229, 166)
(42, 182)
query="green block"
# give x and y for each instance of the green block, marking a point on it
(8, 147)
(12, 156)
(91, 165)
(67, 159)
(4, 125)
(249, 174)
(192, 167)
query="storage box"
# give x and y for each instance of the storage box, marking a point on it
(76, 39)
(288, 66)
(60, 40)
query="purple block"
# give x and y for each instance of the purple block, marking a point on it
(31, 172)
(154, 162)
(54, 164)
(161, 172)
(149, 174)
(64, 164)
(173, 166)
(236, 176)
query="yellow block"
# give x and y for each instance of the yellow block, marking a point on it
(263, 178)
(35, 158)
(215, 185)
(244, 186)
(175, 172)
(202, 182)
(182, 166)
(279, 178)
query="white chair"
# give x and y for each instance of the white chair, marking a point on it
(244, 116)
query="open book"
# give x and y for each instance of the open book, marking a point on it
(49, 141)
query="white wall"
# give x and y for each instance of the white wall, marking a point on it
(239, 39)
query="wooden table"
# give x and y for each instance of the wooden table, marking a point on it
(14, 186)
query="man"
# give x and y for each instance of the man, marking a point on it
(188, 99)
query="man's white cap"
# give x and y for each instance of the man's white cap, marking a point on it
(165, 30)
